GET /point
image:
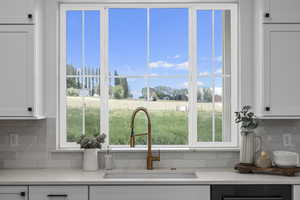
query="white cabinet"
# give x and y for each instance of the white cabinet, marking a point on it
(280, 11)
(17, 70)
(296, 192)
(279, 71)
(150, 192)
(58, 193)
(13, 193)
(16, 11)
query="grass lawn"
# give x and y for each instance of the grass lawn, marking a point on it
(168, 125)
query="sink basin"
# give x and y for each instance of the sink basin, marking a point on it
(150, 175)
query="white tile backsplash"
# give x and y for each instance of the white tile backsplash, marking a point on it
(37, 142)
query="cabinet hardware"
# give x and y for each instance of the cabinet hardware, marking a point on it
(22, 194)
(57, 195)
(29, 16)
(267, 108)
(267, 15)
(29, 109)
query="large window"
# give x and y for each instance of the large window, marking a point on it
(180, 62)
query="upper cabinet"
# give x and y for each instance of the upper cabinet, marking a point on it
(17, 11)
(16, 77)
(277, 47)
(281, 70)
(21, 59)
(280, 11)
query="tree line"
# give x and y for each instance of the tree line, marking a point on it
(120, 88)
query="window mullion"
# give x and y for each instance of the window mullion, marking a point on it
(192, 115)
(83, 68)
(213, 77)
(104, 79)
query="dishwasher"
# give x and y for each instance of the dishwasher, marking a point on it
(251, 192)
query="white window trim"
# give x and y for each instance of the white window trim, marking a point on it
(192, 77)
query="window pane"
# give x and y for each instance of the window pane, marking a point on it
(168, 111)
(74, 111)
(168, 41)
(91, 104)
(218, 38)
(121, 107)
(205, 110)
(83, 73)
(92, 42)
(204, 42)
(218, 109)
(127, 41)
(74, 41)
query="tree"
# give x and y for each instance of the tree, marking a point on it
(124, 84)
(207, 95)
(118, 92)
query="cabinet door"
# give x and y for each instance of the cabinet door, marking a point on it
(16, 64)
(282, 69)
(58, 193)
(13, 193)
(296, 191)
(282, 11)
(150, 192)
(16, 11)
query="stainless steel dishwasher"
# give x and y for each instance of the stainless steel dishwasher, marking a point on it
(251, 192)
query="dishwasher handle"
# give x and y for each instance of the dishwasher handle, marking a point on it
(253, 198)
(57, 195)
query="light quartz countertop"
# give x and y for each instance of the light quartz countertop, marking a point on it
(205, 176)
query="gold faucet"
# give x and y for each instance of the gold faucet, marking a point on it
(150, 158)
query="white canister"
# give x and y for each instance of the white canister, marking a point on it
(90, 160)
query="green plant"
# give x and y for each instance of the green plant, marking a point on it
(91, 142)
(247, 119)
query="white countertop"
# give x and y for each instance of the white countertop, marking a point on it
(206, 176)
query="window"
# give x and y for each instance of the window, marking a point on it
(180, 62)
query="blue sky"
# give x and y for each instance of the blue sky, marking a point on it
(128, 44)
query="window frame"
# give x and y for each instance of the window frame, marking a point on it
(192, 76)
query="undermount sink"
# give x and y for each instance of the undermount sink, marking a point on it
(150, 175)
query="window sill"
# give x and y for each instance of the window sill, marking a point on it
(183, 149)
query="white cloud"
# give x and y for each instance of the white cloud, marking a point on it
(174, 57)
(165, 64)
(219, 71)
(203, 74)
(199, 83)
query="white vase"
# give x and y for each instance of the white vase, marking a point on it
(90, 160)
(247, 151)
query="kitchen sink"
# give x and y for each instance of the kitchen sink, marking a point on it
(150, 175)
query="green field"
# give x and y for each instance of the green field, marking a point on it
(169, 126)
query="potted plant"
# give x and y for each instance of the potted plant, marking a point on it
(91, 144)
(248, 123)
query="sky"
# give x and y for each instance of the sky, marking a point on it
(129, 54)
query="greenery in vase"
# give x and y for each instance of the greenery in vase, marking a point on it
(247, 119)
(91, 142)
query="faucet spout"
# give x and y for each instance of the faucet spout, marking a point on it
(150, 158)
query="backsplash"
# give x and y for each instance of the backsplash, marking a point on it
(36, 140)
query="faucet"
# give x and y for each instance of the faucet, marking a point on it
(150, 157)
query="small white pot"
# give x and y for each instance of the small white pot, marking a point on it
(90, 160)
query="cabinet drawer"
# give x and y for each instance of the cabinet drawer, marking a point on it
(146, 192)
(13, 193)
(16, 11)
(58, 193)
